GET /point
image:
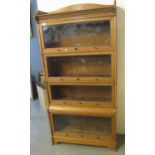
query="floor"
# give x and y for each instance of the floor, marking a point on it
(41, 144)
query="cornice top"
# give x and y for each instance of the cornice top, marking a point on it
(76, 10)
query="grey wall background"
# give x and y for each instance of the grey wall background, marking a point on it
(35, 56)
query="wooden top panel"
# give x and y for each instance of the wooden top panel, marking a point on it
(77, 10)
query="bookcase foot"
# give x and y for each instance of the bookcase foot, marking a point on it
(110, 144)
(113, 147)
(54, 141)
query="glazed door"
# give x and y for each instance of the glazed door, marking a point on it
(95, 128)
(82, 95)
(78, 36)
(84, 68)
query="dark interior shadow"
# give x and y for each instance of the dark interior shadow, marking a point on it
(120, 15)
(120, 140)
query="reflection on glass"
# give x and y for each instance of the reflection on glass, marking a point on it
(77, 34)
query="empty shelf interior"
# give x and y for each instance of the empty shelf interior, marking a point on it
(77, 34)
(82, 93)
(79, 66)
(86, 125)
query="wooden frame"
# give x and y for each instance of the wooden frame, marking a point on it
(77, 14)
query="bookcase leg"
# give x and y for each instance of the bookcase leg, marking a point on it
(54, 141)
(113, 147)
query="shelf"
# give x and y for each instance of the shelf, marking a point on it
(85, 99)
(81, 80)
(83, 125)
(72, 51)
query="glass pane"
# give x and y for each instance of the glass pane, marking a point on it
(86, 125)
(82, 93)
(77, 34)
(81, 66)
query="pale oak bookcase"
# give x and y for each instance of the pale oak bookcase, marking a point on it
(78, 48)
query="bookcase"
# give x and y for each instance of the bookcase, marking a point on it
(78, 48)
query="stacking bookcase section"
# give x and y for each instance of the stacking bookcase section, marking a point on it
(78, 49)
(98, 130)
(78, 94)
(81, 68)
